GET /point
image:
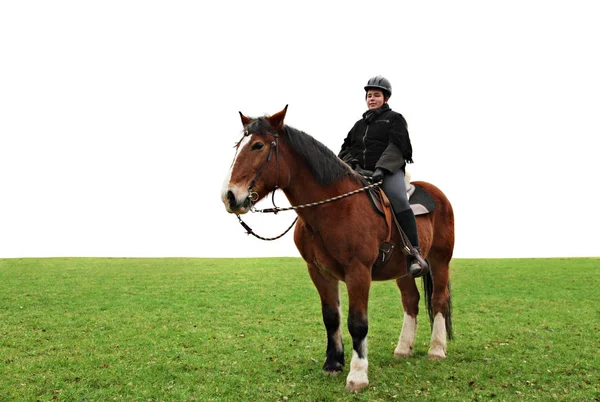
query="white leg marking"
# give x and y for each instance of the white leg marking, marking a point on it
(357, 378)
(339, 343)
(406, 342)
(437, 348)
(338, 339)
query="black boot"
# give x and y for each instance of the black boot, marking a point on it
(416, 265)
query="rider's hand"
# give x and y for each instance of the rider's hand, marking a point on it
(378, 175)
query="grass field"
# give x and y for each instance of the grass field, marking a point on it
(85, 329)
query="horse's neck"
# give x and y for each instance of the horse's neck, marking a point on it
(304, 189)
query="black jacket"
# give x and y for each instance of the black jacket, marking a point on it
(379, 140)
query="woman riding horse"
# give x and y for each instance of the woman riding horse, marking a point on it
(379, 142)
(339, 233)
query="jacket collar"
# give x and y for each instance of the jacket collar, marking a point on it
(371, 114)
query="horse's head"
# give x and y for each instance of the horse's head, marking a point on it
(256, 168)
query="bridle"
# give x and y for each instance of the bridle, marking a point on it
(253, 196)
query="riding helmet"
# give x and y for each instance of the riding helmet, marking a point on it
(380, 82)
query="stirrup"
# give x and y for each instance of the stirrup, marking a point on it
(416, 266)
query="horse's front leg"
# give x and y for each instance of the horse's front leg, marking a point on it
(358, 284)
(410, 303)
(328, 289)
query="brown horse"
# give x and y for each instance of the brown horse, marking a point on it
(340, 240)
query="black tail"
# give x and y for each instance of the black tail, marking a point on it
(449, 314)
(428, 290)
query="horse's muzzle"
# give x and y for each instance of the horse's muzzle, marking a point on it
(239, 204)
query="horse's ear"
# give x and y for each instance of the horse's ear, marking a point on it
(277, 119)
(245, 120)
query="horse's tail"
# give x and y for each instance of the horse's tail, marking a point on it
(428, 290)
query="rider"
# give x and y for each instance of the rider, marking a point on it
(379, 142)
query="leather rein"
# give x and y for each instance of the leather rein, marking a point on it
(253, 196)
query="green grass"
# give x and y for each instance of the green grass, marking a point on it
(85, 329)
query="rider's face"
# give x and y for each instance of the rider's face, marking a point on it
(375, 98)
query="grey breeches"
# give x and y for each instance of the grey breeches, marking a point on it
(395, 189)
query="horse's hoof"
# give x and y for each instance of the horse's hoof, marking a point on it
(357, 385)
(437, 354)
(402, 353)
(333, 369)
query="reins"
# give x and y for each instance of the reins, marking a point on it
(277, 209)
(314, 204)
(253, 196)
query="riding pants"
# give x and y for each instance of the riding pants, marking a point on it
(395, 189)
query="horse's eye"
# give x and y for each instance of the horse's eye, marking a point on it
(257, 146)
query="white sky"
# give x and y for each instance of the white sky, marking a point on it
(117, 118)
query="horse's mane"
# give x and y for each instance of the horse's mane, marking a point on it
(324, 165)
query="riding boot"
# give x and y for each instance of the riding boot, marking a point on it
(416, 265)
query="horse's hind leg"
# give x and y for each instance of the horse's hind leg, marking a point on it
(410, 304)
(328, 289)
(440, 308)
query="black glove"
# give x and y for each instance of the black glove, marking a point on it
(378, 175)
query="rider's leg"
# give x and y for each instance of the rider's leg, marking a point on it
(395, 188)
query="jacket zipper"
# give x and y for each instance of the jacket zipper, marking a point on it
(365, 148)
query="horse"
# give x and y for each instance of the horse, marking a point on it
(340, 240)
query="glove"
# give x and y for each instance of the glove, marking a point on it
(378, 175)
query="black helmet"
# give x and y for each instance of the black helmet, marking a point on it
(380, 82)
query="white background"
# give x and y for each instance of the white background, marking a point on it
(117, 118)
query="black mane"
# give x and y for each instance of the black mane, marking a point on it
(324, 165)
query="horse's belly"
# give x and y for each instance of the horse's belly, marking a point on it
(393, 269)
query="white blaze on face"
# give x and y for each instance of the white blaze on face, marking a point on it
(236, 190)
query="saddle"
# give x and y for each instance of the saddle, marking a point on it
(420, 200)
(421, 203)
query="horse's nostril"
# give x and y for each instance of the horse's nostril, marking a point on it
(230, 198)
